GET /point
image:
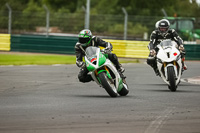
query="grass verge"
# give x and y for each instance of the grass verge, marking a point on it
(42, 59)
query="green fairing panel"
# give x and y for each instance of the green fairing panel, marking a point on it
(102, 59)
(120, 85)
(89, 67)
(106, 55)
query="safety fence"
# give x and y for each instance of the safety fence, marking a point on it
(122, 25)
(71, 23)
(65, 45)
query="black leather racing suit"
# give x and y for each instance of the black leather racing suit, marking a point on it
(83, 74)
(156, 38)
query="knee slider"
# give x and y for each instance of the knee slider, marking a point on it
(81, 77)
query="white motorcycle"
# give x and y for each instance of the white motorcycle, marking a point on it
(169, 63)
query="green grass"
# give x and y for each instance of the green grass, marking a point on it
(42, 59)
(35, 59)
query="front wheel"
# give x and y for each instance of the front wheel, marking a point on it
(108, 84)
(171, 78)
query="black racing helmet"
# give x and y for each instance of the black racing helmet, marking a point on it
(85, 36)
(163, 26)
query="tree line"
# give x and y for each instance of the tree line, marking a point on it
(182, 8)
(68, 15)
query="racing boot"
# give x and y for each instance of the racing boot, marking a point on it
(184, 65)
(120, 69)
(122, 75)
(113, 58)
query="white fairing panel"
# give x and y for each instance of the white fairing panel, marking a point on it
(168, 55)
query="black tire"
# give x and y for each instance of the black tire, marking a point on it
(107, 84)
(124, 91)
(171, 78)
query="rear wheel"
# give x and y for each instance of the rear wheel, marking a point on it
(171, 78)
(108, 84)
(124, 91)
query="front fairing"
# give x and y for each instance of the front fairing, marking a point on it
(94, 58)
(169, 55)
(167, 52)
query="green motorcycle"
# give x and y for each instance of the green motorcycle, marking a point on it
(104, 72)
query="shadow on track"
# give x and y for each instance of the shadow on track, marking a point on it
(99, 96)
(92, 96)
(177, 91)
(181, 84)
(167, 90)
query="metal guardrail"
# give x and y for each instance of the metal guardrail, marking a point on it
(43, 44)
(5, 42)
(65, 45)
(130, 49)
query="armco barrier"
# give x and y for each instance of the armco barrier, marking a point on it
(5, 42)
(43, 44)
(138, 49)
(131, 49)
(192, 51)
(65, 45)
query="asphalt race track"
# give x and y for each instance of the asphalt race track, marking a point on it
(50, 99)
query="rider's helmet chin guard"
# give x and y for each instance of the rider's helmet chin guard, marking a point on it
(163, 26)
(85, 37)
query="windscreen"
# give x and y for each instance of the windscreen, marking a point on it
(166, 44)
(91, 52)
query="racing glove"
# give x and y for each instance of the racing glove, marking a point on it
(108, 48)
(152, 52)
(182, 49)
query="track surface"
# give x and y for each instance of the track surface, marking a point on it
(49, 99)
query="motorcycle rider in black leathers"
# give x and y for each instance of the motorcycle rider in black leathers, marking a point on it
(85, 40)
(163, 32)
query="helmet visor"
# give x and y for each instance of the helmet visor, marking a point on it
(84, 40)
(163, 29)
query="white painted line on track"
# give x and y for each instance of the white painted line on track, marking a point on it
(193, 80)
(17, 65)
(156, 125)
(6, 65)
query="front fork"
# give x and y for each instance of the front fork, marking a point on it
(106, 70)
(175, 69)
